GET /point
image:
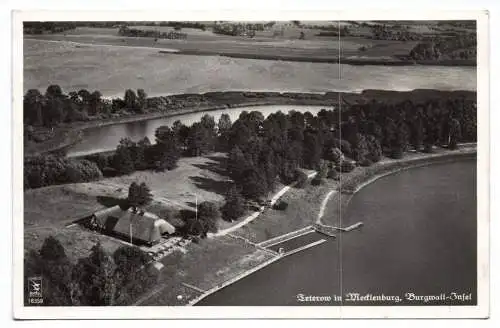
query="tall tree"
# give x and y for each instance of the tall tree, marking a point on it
(122, 159)
(33, 104)
(130, 99)
(360, 148)
(94, 103)
(139, 195)
(95, 275)
(455, 133)
(233, 208)
(253, 184)
(312, 150)
(142, 98)
(166, 151)
(52, 264)
(53, 112)
(200, 140)
(224, 129)
(181, 133)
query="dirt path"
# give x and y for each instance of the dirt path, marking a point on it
(256, 214)
(323, 205)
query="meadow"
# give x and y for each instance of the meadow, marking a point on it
(112, 70)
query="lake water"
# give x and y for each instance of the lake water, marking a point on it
(107, 137)
(419, 236)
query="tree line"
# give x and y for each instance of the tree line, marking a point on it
(235, 29)
(59, 27)
(170, 144)
(45, 170)
(47, 27)
(96, 280)
(55, 107)
(263, 150)
(136, 32)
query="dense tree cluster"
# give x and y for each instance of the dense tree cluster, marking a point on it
(378, 128)
(264, 150)
(180, 25)
(96, 280)
(234, 205)
(461, 46)
(47, 27)
(55, 107)
(203, 221)
(234, 29)
(59, 27)
(171, 142)
(40, 171)
(131, 156)
(335, 32)
(389, 32)
(137, 32)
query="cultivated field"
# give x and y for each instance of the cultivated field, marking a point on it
(112, 70)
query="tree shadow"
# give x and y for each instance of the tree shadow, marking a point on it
(211, 185)
(217, 165)
(109, 201)
(191, 204)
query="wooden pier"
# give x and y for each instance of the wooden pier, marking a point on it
(325, 230)
(329, 230)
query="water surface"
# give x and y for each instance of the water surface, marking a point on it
(104, 138)
(419, 236)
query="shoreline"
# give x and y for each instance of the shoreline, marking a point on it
(71, 133)
(392, 167)
(358, 180)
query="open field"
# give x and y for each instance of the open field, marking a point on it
(48, 210)
(112, 70)
(194, 177)
(374, 48)
(280, 42)
(205, 265)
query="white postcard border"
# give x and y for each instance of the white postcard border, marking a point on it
(176, 312)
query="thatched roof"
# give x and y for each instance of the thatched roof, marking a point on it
(143, 226)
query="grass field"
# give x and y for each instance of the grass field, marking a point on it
(112, 70)
(49, 210)
(205, 265)
(303, 208)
